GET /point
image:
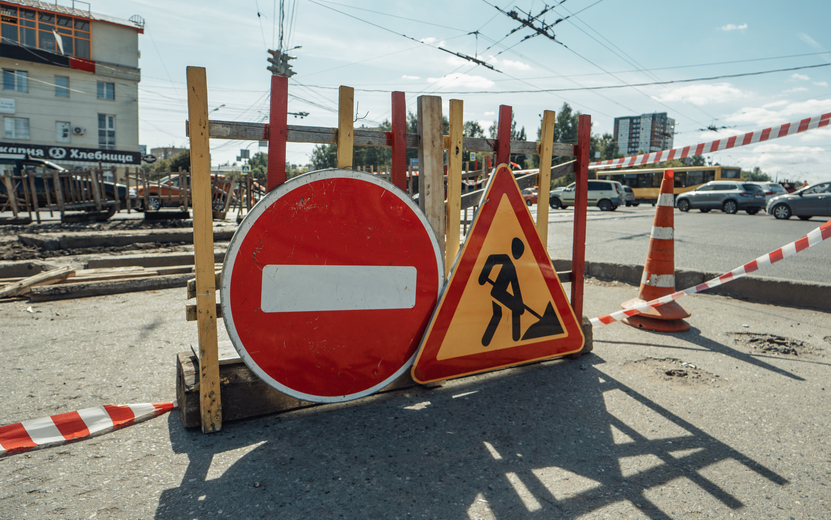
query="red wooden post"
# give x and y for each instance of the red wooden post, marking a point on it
(581, 170)
(278, 130)
(503, 136)
(398, 174)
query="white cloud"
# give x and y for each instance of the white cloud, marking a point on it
(821, 83)
(703, 94)
(508, 64)
(490, 113)
(410, 77)
(755, 118)
(799, 77)
(462, 80)
(810, 41)
(794, 90)
(733, 27)
(429, 40)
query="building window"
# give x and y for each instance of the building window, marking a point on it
(16, 127)
(106, 90)
(106, 132)
(62, 86)
(16, 80)
(37, 29)
(62, 132)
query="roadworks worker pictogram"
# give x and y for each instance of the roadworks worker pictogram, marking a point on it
(506, 293)
(503, 303)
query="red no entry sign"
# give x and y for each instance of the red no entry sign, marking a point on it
(328, 285)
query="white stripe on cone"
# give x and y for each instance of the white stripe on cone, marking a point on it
(662, 233)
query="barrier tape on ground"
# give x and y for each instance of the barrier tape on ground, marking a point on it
(58, 429)
(735, 141)
(811, 239)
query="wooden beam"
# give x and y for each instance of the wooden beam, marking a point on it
(346, 104)
(578, 255)
(546, 140)
(454, 183)
(203, 245)
(366, 137)
(398, 141)
(44, 278)
(503, 135)
(431, 164)
(277, 131)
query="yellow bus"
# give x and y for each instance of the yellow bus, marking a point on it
(646, 182)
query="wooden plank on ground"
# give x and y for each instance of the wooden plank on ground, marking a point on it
(44, 278)
(203, 245)
(101, 288)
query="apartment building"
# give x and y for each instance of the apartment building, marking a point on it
(70, 84)
(644, 133)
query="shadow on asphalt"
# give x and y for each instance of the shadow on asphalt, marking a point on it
(556, 440)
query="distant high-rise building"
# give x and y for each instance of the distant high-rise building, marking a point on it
(644, 133)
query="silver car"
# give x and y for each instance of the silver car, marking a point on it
(728, 196)
(771, 189)
(813, 201)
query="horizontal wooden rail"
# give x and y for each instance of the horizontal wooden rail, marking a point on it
(364, 137)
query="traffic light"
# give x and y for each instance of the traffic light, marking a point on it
(280, 63)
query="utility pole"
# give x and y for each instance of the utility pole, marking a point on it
(278, 125)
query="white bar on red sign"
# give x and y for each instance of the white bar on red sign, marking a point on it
(315, 288)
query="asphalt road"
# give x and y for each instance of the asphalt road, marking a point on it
(733, 432)
(711, 242)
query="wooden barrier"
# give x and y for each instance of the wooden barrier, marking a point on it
(430, 144)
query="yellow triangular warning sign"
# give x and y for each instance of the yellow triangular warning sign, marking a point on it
(503, 304)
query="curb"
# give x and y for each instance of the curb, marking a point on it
(56, 241)
(759, 289)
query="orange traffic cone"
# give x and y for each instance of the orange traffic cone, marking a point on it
(659, 271)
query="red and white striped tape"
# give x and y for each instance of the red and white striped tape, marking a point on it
(64, 427)
(757, 136)
(811, 239)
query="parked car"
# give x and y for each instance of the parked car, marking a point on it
(630, 197)
(172, 190)
(813, 201)
(606, 195)
(728, 196)
(530, 196)
(771, 189)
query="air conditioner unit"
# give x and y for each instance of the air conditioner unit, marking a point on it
(79, 131)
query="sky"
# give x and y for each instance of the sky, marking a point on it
(734, 50)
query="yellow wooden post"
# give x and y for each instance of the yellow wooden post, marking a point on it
(546, 145)
(431, 165)
(346, 102)
(454, 183)
(203, 245)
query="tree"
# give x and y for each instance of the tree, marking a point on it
(259, 165)
(757, 175)
(324, 156)
(182, 160)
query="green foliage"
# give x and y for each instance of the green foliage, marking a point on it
(182, 160)
(324, 156)
(259, 165)
(757, 175)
